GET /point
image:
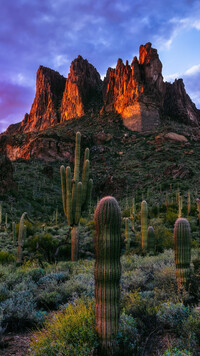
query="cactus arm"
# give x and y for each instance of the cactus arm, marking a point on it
(85, 178)
(78, 203)
(69, 196)
(77, 157)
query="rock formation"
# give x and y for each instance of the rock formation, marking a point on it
(82, 90)
(45, 110)
(137, 92)
(178, 105)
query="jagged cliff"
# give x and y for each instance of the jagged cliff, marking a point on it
(137, 92)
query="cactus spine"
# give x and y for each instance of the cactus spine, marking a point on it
(144, 216)
(107, 269)
(151, 239)
(75, 194)
(182, 246)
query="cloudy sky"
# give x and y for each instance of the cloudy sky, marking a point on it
(54, 32)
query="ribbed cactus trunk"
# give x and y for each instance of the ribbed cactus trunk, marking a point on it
(20, 238)
(144, 223)
(107, 270)
(74, 242)
(182, 247)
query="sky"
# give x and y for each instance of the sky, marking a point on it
(52, 33)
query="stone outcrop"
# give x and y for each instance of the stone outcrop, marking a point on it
(178, 105)
(45, 110)
(137, 92)
(82, 93)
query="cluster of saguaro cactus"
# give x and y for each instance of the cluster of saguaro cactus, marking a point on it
(76, 194)
(144, 218)
(107, 269)
(182, 247)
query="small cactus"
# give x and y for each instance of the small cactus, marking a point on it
(182, 247)
(107, 269)
(151, 239)
(144, 216)
(127, 233)
(180, 205)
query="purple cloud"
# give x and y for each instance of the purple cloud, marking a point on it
(52, 33)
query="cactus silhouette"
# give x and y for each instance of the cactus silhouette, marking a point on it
(144, 216)
(107, 269)
(182, 247)
(76, 195)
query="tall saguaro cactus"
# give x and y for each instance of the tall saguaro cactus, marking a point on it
(182, 246)
(144, 217)
(151, 239)
(107, 269)
(75, 194)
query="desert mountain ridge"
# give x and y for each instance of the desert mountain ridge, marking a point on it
(136, 91)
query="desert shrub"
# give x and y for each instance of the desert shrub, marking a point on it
(70, 332)
(45, 245)
(171, 216)
(19, 311)
(141, 307)
(176, 352)
(6, 257)
(173, 316)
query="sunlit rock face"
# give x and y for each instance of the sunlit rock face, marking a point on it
(45, 110)
(83, 90)
(136, 91)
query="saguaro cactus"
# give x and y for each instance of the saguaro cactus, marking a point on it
(127, 233)
(182, 247)
(107, 269)
(180, 205)
(75, 194)
(144, 216)
(151, 239)
(20, 238)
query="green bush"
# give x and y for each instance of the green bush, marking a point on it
(70, 332)
(176, 352)
(6, 257)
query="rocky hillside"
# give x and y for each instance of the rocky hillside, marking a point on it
(137, 92)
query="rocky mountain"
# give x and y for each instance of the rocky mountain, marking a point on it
(137, 92)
